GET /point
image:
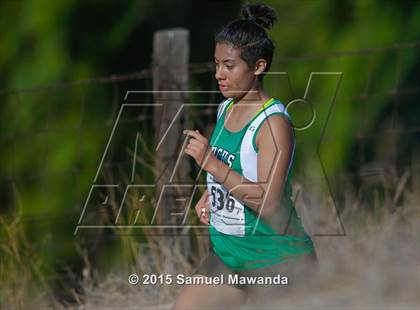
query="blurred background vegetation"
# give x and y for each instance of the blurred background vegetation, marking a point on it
(58, 102)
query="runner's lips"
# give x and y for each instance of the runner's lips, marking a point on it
(222, 87)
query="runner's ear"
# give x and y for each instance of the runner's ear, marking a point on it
(260, 66)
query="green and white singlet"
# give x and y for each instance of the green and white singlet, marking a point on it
(241, 238)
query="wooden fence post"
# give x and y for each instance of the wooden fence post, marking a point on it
(170, 82)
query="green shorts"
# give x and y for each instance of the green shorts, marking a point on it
(295, 274)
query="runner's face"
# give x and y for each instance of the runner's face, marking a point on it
(234, 76)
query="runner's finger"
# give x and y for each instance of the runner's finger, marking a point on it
(196, 134)
(195, 142)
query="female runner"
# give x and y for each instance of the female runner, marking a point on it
(254, 228)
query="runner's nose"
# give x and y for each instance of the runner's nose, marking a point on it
(218, 74)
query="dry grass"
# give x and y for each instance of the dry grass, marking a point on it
(21, 267)
(375, 265)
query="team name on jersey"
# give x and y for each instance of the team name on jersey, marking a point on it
(223, 155)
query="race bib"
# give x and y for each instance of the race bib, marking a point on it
(227, 213)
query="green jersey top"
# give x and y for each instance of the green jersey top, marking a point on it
(241, 238)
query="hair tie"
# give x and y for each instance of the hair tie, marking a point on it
(252, 19)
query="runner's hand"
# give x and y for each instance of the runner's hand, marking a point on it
(198, 148)
(202, 208)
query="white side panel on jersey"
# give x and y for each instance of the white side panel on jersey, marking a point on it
(248, 154)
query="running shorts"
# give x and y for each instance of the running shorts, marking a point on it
(297, 273)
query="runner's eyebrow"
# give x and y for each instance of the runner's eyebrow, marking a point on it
(226, 60)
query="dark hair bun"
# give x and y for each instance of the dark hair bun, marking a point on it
(260, 14)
